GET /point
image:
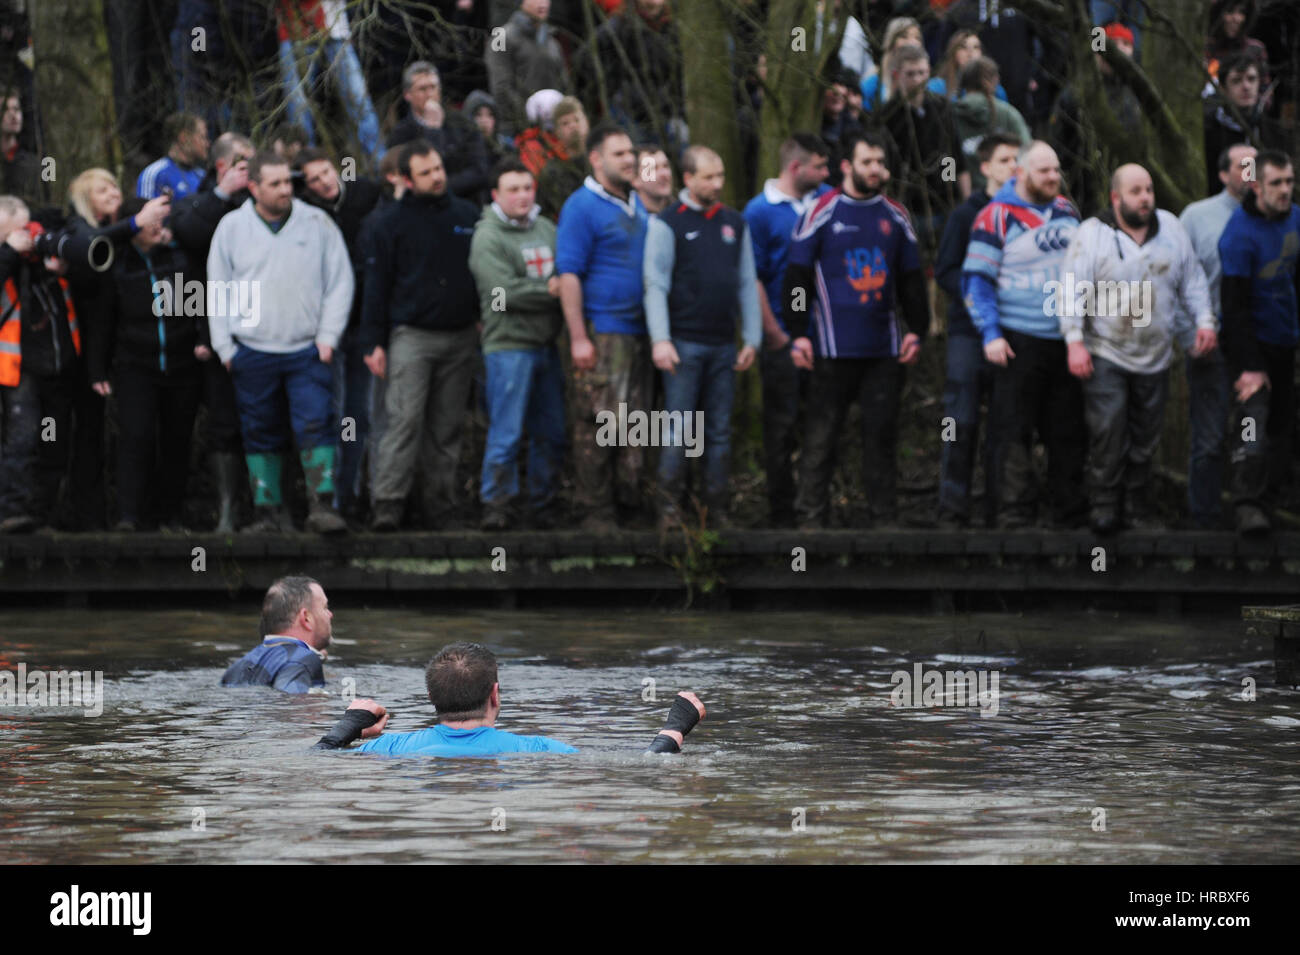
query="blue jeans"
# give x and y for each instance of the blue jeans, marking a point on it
(969, 381)
(353, 398)
(704, 381)
(1209, 395)
(277, 393)
(525, 392)
(341, 59)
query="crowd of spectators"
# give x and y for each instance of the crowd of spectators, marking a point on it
(509, 238)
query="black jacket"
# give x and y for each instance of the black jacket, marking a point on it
(128, 332)
(950, 257)
(194, 222)
(354, 204)
(461, 146)
(417, 267)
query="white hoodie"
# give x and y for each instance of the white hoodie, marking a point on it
(1127, 302)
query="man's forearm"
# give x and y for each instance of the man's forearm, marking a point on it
(347, 730)
(571, 302)
(682, 717)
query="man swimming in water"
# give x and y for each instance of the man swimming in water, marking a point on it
(463, 688)
(296, 630)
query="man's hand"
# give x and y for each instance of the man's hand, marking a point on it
(325, 352)
(999, 352)
(20, 240)
(433, 114)
(371, 731)
(234, 179)
(155, 212)
(1249, 383)
(744, 358)
(553, 286)
(584, 354)
(910, 349)
(664, 356)
(101, 388)
(801, 352)
(202, 352)
(1079, 360)
(1206, 341)
(377, 362)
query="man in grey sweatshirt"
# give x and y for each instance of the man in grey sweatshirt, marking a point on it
(279, 291)
(1207, 374)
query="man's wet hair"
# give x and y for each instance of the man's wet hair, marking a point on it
(283, 600)
(984, 151)
(801, 147)
(460, 680)
(603, 131)
(261, 160)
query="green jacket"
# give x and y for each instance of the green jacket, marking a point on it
(511, 262)
(971, 114)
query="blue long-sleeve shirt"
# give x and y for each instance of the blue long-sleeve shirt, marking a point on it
(445, 741)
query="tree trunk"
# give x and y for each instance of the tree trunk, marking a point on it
(74, 88)
(710, 89)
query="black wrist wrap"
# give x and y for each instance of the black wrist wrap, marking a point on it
(347, 729)
(682, 716)
(664, 744)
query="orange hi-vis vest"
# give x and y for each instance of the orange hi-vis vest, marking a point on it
(11, 330)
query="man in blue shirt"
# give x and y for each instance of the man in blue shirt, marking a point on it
(772, 216)
(599, 246)
(182, 170)
(296, 620)
(854, 265)
(462, 685)
(1259, 248)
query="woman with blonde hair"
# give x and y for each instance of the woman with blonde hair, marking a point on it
(96, 199)
(898, 32)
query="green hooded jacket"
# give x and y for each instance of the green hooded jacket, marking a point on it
(512, 261)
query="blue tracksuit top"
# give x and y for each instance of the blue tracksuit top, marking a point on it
(1265, 251)
(772, 216)
(601, 239)
(285, 663)
(444, 741)
(166, 172)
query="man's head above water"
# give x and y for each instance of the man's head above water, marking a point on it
(463, 687)
(297, 607)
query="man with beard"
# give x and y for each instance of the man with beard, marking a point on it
(1131, 281)
(1258, 248)
(772, 216)
(600, 244)
(296, 630)
(279, 290)
(854, 258)
(1016, 250)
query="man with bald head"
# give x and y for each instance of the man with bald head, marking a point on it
(1131, 283)
(1017, 248)
(699, 278)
